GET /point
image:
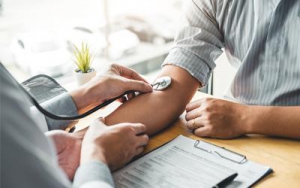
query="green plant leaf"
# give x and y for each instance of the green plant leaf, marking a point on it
(83, 59)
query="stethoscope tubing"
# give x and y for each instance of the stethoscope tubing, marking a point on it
(76, 117)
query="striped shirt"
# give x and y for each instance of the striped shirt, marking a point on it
(261, 38)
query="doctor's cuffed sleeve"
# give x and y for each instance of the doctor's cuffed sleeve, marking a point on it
(198, 42)
(93, 174)
(59, 105)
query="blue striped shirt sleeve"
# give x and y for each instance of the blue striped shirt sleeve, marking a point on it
(198, 42)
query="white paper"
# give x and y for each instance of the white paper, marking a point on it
(180, 164)
(177, 164)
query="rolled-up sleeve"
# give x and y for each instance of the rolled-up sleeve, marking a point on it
(59, 105)
(198, 42)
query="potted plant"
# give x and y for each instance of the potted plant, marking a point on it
(83, 61)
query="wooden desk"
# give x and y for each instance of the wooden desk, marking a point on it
(282, 155)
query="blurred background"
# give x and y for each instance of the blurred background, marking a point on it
(36, 36)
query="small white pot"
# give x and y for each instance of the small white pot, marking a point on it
(82, 78)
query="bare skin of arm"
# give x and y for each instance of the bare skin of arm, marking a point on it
(159, 108)
(277, 121)
(206, 117)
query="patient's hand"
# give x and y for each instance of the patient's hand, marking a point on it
(68, 147)
(217, 118)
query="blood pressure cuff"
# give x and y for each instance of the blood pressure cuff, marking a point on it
(43, 88)
(53, 97)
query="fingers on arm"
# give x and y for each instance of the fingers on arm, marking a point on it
(141, 138)
(128, 73)
(135, 135)
(139, 150)
(139, 128)
(136, 85)
(142, 141)
(135, 81)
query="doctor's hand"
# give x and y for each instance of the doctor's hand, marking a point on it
(217, 118)
(116, 81)
(68, 148)
(113, 145)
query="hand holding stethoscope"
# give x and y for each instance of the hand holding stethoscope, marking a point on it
(159, 84)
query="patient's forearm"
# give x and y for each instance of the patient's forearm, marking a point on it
(159, 108)
(275, 120)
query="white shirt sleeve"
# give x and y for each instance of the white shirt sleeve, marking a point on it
(99, 174)
(28, 158)
(59, 105)
(39, 118)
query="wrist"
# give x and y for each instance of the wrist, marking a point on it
(247, 119)
(93, 155)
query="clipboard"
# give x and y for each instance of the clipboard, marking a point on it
(204, 165)
(231, 156)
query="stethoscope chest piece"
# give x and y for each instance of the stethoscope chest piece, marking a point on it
(161, 83)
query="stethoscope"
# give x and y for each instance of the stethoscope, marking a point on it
(159, 84)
